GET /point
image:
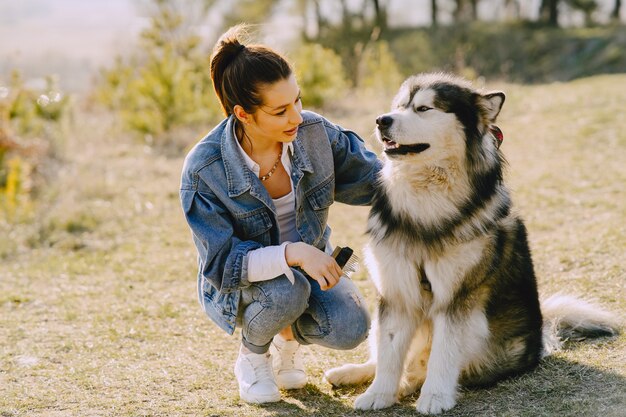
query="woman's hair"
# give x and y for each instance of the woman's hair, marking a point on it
(238, 70)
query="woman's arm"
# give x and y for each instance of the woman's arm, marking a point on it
(356, 169)
(220, 253)
(223, 256)
(316, 263)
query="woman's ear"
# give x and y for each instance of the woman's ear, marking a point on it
(241, 114)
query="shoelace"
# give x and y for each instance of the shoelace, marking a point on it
(262, 368)
(288, 354)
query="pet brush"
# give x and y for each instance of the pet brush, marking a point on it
(346, 259)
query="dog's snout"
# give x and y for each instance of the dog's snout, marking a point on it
(384, 121)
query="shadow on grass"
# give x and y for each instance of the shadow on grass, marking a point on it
(311, 401)
(558, 387)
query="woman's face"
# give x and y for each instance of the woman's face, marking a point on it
(277, 119)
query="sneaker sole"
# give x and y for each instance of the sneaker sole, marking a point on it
(291, 386)
(259, 399)
(287, 384)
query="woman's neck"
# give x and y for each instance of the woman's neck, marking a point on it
(256, 147)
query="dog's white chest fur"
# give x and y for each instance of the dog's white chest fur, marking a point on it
(406, 263)
(426, 193)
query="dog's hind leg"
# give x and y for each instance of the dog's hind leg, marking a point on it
(353, 373)
(416, 366)
(393, 338)
(455, 339)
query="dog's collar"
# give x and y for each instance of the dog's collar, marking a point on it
(497, 134)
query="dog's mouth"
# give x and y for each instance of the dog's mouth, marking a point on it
(394, 148)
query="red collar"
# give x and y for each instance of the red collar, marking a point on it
(497, 134)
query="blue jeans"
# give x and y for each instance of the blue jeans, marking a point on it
(336, 318)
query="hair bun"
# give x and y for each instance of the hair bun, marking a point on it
(230, 50)
(239, 49)
(236, 77)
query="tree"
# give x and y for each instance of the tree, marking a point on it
(248, 11)
(360, 26)
(466, 10)
(513, 8)
(549, 12)
(616, 10)
(166, 84)
(585, 6)
(474, 4)
(312, 13)
(380, 14)
(434, 10)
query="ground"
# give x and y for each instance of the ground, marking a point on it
(98, 307)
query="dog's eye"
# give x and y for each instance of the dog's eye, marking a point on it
(423, 108)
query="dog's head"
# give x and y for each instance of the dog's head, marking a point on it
(437, 116)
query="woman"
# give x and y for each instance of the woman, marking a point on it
(256, 192)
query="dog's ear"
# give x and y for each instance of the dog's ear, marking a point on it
(492, 103)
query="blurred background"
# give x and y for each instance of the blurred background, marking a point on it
(100, 100)
(146, 61)
(142, 65)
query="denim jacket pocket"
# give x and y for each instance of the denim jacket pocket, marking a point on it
(252, 225)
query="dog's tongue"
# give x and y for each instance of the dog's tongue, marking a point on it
(497, 133)
(390, 144)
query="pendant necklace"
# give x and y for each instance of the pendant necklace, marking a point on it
(271, 171)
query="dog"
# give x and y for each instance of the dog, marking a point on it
(457, 295)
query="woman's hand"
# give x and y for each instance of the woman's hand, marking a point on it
(319, 265)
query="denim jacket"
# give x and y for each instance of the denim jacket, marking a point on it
(231, 213)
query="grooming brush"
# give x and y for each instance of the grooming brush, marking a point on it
(346, 259)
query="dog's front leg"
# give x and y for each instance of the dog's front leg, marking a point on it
(453, 340)
(395, 331)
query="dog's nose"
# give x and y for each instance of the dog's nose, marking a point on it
(384, 121)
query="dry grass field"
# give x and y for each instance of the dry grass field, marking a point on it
(98, 307)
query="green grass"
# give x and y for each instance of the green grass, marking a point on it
(98, 308)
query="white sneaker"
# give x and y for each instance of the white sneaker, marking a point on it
(256, 378)
(288, 366)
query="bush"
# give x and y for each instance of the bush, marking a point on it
(31, 130)
(320, 74)
(415, 53)
(378, 69)
(513, 52)
(165, 86)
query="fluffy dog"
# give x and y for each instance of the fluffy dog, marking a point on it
(458, 301)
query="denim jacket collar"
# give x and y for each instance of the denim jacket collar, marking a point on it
(239, 177)
(300, 158)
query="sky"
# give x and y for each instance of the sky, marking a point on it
(76, 25)
(74, 38)
(70, 37)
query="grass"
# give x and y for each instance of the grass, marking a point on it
(98, 308)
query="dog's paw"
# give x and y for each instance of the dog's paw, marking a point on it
(350, 374)
(374, 401)
(435, 403)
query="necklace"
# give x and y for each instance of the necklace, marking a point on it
(271, 171)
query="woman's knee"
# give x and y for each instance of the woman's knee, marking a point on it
(349, 333)
(291, 299)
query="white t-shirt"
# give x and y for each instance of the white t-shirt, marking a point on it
(269, 262)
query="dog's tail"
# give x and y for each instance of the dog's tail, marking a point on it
(566, 317)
